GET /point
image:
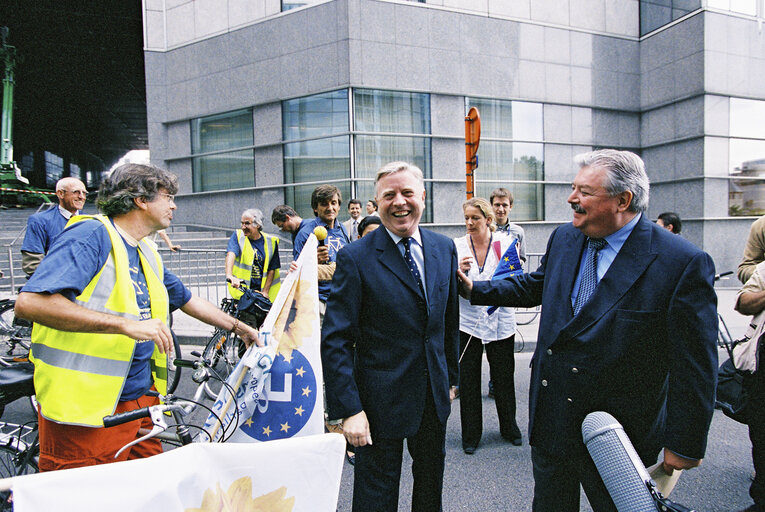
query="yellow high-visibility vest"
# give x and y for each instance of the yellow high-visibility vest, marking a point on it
(79, 376)
(243, 264)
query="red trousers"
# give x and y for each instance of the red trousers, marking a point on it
(71, 446)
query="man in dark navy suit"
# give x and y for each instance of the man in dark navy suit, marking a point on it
(394, 297)
(628, 326)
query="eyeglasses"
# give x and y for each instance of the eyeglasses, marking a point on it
(82, 193)
(170, 197)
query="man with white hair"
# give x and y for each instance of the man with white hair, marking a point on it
(629, 327)
(253, 257)
(44, 227)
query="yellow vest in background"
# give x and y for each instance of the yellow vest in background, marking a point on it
(243, 264)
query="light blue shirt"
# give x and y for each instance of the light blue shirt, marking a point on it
(417, 254)
(607, 254)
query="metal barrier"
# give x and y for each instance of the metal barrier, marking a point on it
(203, 271)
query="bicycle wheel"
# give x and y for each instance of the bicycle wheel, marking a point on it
(15, 334)
(223, 352)
(174, 372)
(12, 463)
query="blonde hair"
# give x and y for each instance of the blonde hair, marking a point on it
(485, 208)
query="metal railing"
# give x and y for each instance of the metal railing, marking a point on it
(14, 277)
(203, 271)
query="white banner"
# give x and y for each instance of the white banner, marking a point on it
(281, 394)
(298, 475)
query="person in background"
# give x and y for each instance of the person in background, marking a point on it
(751, 301)
(44, 227)
(369, 224)
(325, 201)
(352, 224)
(479, 253)
(100, 301)
(501, 201)
(616, 290)
(372, 207)
(754, 251)
(163, 235)
(670, 221)
(253, 257)
(287, 220)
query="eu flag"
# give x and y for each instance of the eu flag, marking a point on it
(509, 265)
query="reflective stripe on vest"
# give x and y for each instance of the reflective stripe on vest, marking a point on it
(79, 377)
(243, 264)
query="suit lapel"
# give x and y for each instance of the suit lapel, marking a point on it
(633, 259)
(390, 257)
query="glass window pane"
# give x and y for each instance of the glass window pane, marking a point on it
(496, 118)
(224, 171)
(746, 118)
(747, 159)
(388, 111)
(224, 131)
(510, 161)
(315, 160)
(374, 151)
(528, 198)
(509, 119)
(527, 121)
(315, 116)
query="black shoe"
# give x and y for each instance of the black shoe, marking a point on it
(351, 458)
(470, 450)
(515, 438)
(490, 394)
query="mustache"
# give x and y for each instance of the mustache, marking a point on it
(577, 208)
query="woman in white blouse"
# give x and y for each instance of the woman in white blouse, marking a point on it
(479, 252)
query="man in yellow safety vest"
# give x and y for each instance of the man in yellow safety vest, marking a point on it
(252, 257)
(100, 301)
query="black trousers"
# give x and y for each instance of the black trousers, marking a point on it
(501, 356)
(377, 472)
(557, 478)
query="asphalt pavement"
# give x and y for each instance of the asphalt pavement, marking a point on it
(498, 476)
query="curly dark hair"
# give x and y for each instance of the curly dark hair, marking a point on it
(130, 181)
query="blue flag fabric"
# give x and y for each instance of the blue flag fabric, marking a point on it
(509, 265)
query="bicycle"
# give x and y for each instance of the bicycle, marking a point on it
(178, 433)
(224, 349)
(19, 443)
(15, 333)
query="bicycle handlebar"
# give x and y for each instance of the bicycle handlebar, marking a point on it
(124, 417)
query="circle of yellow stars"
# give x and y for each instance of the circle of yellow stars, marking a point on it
(285, 427)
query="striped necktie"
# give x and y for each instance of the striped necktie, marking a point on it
(589, 280)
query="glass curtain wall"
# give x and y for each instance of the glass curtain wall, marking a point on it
(511, 154)
(229, 166)
(389, 126)
(317, 147)
(317, 142)
(746, 195)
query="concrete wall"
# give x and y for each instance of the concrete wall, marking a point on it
(173, 23)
